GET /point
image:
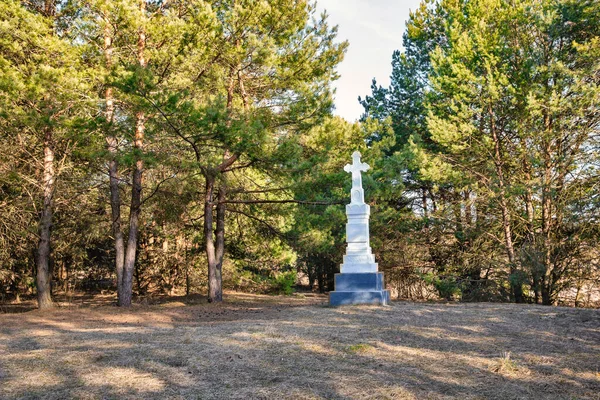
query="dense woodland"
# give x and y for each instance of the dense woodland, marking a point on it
(171, 146)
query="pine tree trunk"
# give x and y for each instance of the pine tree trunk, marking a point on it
(530, 211)
(136, 183)
(515, 284)
(320, 278)
(42, 253)
(215, 246)
(209, 241)
(113, 168)
(115, 204)
(134, 218)
(547, 283)
(215, 243)
(44, 273)
(216, 289)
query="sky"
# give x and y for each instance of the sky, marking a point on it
(374, 30)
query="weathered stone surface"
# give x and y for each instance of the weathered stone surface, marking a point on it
(359, 282)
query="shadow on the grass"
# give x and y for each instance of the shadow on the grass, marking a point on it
(109, 299)
(265, 350)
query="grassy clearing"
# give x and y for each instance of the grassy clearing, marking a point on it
(257, 347)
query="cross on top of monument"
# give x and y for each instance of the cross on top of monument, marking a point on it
(356, 168)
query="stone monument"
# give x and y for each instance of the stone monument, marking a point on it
(358, 281)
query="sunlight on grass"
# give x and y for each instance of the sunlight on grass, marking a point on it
(125, 378)
(360, 348)
(304, 352)
(507, 366)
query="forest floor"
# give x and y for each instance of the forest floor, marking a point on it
(296, 347)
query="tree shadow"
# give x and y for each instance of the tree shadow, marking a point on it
(267, 350)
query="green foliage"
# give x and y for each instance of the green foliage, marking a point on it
(488, 103)
(43, 99)
(447, 286)
(284, 282)
(483, 149)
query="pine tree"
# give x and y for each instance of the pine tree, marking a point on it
(42, 92)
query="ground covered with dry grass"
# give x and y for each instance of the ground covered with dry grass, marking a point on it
(255, 347)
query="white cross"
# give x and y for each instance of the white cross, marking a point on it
(356, 168)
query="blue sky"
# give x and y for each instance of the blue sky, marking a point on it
(374, 29)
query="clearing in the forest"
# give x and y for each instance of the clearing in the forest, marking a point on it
(255, 347)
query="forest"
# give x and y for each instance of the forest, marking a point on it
(191, 146)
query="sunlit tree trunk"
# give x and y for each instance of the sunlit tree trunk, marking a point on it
(43, 266)
(215, 246)
(136, 183)
(209, 241)
(113, 166)
(44, 272)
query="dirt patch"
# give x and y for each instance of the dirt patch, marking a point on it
(257, 347)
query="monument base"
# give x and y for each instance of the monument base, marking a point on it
(359, 288)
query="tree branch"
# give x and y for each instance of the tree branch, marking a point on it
(313, 203)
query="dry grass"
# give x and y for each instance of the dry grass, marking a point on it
(262, 347)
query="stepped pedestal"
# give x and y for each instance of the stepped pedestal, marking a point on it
(359, 288)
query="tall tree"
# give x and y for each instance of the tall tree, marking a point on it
(263, 83)
(137, 46)
(41, 96)
(112, 143)
(126, 291)
(506, 121)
